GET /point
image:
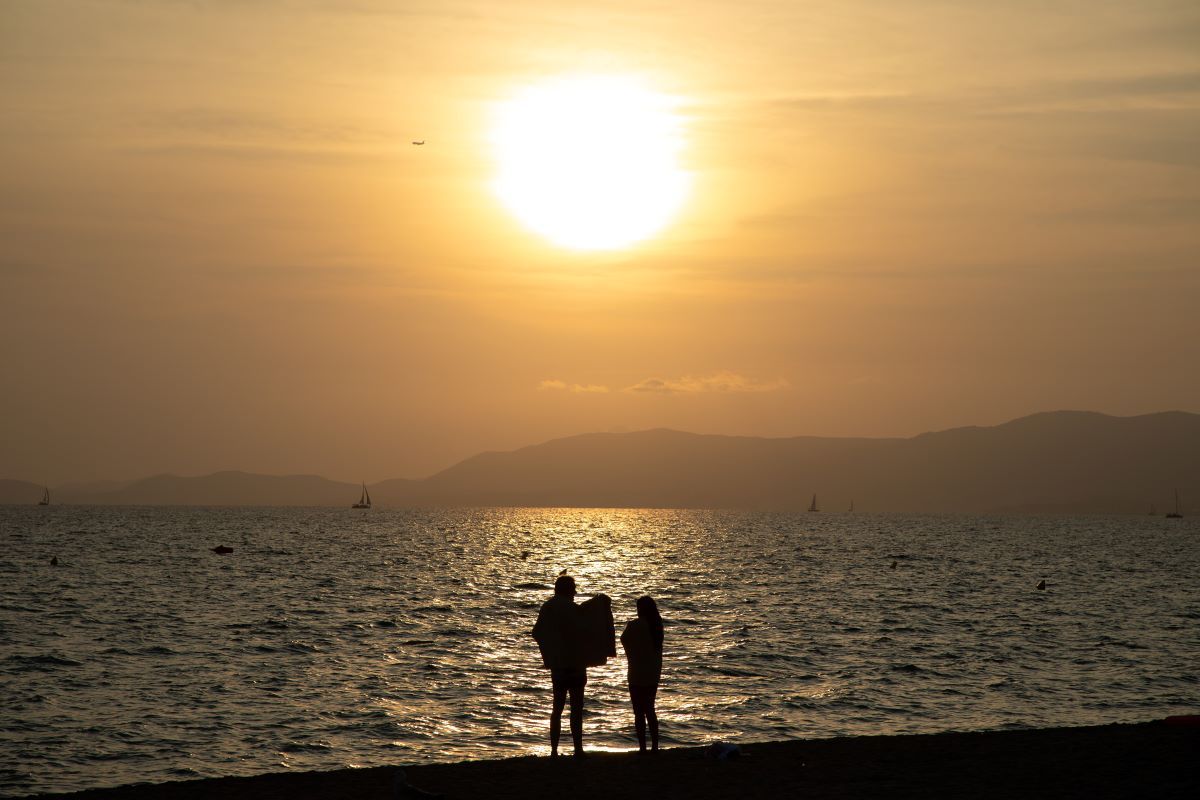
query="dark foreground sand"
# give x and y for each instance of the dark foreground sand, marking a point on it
(1148, 760)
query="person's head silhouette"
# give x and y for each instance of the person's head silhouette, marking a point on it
(565, 585)
(648, 613)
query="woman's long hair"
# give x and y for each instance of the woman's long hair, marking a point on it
(648, 612)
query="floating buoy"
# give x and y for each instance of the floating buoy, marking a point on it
(1041, 585)
(222, 549)
(893, 566)
(54, 561)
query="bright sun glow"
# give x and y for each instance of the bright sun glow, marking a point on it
(590, 162)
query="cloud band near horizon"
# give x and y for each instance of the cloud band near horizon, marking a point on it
(722, 382)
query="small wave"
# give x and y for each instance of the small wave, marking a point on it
(306, 747)
(733, 672)
(158, 650)
(1107, 642)
(22, 609)
(452, 632)
(36, 662)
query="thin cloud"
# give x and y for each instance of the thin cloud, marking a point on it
(1117, 91)
(723, 382)
(574, 388)
(259, 153)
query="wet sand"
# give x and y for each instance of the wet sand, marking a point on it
(1147, 760)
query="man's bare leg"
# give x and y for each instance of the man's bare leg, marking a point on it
(560, 700)
(576, 718)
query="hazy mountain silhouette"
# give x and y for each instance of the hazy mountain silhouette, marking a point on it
(231, 488)
(92, 487)
(19, 492)
(1057, 461)
(1066, 461)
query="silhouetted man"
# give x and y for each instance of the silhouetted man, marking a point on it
(558, 633)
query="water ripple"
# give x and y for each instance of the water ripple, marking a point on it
(331, 638)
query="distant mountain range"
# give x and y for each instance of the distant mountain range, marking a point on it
(1064, 461)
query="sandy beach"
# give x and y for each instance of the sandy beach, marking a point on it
(1147, 760)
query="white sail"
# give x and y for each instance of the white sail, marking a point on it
(364, 500)
(1176, 514)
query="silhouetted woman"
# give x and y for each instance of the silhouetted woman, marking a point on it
(643, 643)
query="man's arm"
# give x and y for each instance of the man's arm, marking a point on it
(541, 628)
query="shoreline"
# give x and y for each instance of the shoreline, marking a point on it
(1143, 760)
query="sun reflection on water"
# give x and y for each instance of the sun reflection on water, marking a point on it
(518, 553)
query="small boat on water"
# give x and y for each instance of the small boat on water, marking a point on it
(851, 508)
(1176, 514)
(365, 500)
(813, 505)
(45, 501)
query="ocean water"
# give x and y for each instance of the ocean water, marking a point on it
(333, 638)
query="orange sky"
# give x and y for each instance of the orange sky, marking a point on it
(221, 251)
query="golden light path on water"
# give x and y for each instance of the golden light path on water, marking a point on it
(623, 554)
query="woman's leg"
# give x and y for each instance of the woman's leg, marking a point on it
(637, 695)
(652, 715)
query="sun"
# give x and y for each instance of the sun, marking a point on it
(590, 162)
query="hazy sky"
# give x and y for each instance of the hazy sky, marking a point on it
(220, 250)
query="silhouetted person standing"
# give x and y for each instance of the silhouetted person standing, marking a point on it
(558, 634)
(643, 643)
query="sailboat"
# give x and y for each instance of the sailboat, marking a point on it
(365, 500)
(813, 505)
(1175, 514)
(851, 507)
(45, 501)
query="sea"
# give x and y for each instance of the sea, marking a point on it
(333, 638)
